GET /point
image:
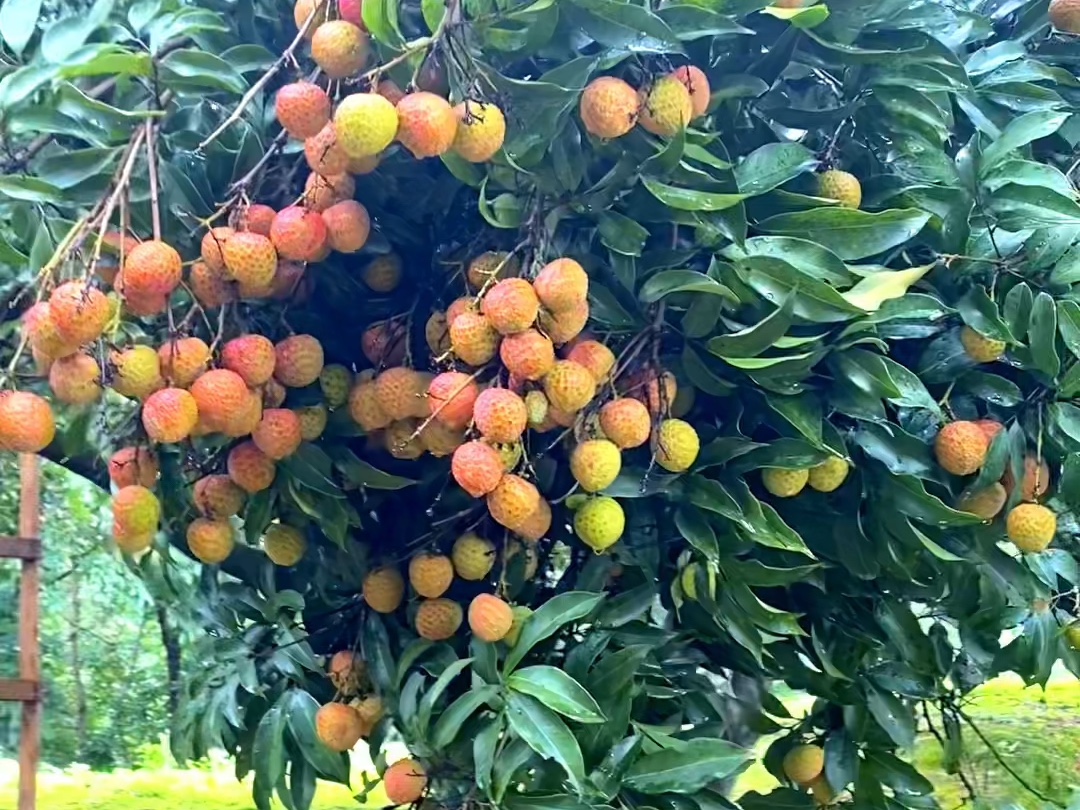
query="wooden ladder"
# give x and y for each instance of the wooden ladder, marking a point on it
(26, 689)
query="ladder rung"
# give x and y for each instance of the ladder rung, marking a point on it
(14, 689)
(22, 548)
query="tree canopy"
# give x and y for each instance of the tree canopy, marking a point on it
(828, 248)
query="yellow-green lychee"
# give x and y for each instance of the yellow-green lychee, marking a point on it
(473, 556)
(677, 445)
(829, 474)
(666, 108)
(1031, 527)
(595, 464)
(784, 483)
(365, 124)
(804, 763)
(841, 186)
(599, 523)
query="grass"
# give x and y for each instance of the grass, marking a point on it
(1038, 733)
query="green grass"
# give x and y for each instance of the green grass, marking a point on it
(1037, 732)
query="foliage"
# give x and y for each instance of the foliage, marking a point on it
(807, 331)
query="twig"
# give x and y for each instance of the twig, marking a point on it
(941, 742)
(435, 413)
(152, 171)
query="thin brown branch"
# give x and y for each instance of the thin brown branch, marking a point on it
(152, 171)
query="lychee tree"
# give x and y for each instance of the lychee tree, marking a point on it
(538, 382)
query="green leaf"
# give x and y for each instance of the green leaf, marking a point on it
(268, 754)
(850, 233)
(381, 20)
(877, 288)
(1018, 207)
(18, 19)
(805, 17)
(191, 67)
(675, 281)
(546, 734)
(687, 768)
(1042, 335)
(558, 691)
(626, 23)
(690, 22)
(452, 720)
(684, 199)
(484, 746)
(773, 165)
(622, 234)
(809, 258)
(362, 474)
(892, 715)
(1020, 132)
(62, 38)
(548, 618)
(442, 683)
(29, 189)
(753, 340)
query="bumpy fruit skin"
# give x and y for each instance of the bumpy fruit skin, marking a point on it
(677, 445)
(562, 327)
(383, 273)
(26, 422)
(211, 541)
(1036, 478)
(365, 123)
(406, 779)
(960, 447)
(451, 397)
(213, 245)
(133, 465)
(595, 356)
(383, 589)
(136, 512)
(829, 474)
(609, 107)
(473, 339)
(431, 574)
(804, 763)
(595, 464)
(364, 407)
(338, 726)
(513, 501)
(152, 267)
(250, 356)
(137, 372)
(666, 108)
(510, 305)
(784, 483)
(299, 361)
(440, 440)
(313, 420)
(284, 545)
(334, 382)
(323, 155)
(537, 406)
(1065, 15)
(1031, 527)
(278, 433)
(477, 468)
(79, 311)
(75, 379)
(346, 671)
(490, 618)
(599, 523)
(303, 9)
(250, 468)
(527, 355)
(219, 394)
(481, 129)
(322, 192)
(339, 48)
(40, 330)
(438, 619)
(537, 524)
(697, 85)
(562, 285)
(169, 415)
(473, 557)
(256, 218)
(497, 263)
(986, 502)
(217, 497)
(979, 348)
(211, 288)
(626, 422)
(569, 386)
(183, 360)
(400, 440)
(500, 415)
(399, 391)
(298, 235)
(302, 109)
(348, 226)
(426, 124)
(841, 186)
(250, 259)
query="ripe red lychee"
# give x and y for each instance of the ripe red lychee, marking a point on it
(302, 109)
(500, 415)
(451, 397)
(697, 84)
(626, 422)
(213, 245)
(364, 407)
(217, 497)
(338, 726)
(339, 48)
(183, 360)
(473, 339)
(26, 422)
(211, 288)
(152, 267)
(79, 311)
(406, 780)
(490, 617)
(426, 124)
(169, 415)
(219, 394)
(250, 356)
(513, 501)
(569, 386)
(477, 468)
(133, 465)
(510, 305)
(41, 333)
(481, 130)
(562, 285)
(298, 235)
(347, 226)
(609, 107)
(278, 433)
(299, 359)
(250, 468)
(250, 258)
(323, 154)
(528, 355)
(322, 192)
(255, 218)
(351, 11)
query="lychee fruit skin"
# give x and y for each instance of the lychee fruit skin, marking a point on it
(510, 305)
(169, 415)
(322, 192)
(323, 155)
(313, 420)
(75, 379)
(626, 422)
(137, 372)
(562, 285)
(335, 380)
(250, 259)
(1065, 15)
(278, 433)
(440, 440)
(133, 465)
(303, 9)
(427, 124)
(217, 497)
(250, 468)
(500, 415)
(437, 333)
(477, 468)
(283, 544)
(348, 226)
(136, 512)
(298, 235)
(466, 303)
(979, 348)
(80, 312)
(528, 355)
(595, 464)
(537, 524)
(42, 335)
(211, 541)
(569, 386)
(986, 502)
(562, 327)
(346, 671)
(595, 356)
(183, 360)
(244, 420)
(513, 501)
(211, 288)
(537, 406)
(437, 620)
(400, 440)
(338, 726)
(365, 123)
(1036, 478)
(406, 779)
(696, 83)
(383, 589)
(431, 574)
(339, 48)
(609, 107)
(474, 340)
(599, 523)
(656, 391)
(397, 391)
(213, 245)
(364, 407)
(383, 344)
(497, 263)
(26, 422)
(473, 557)
(677, 445)
(152, 267)
(841, 186)
(829, 474)
(250, 356)
(302, 109)
(481, 130)
(256, 218)
(666, 108)
(1031, 527)
(451, 397)
(960, 447)
(784, 483)
(219, 394)
(383, 273)
(490, 617)
(299, 361)
(804, 763)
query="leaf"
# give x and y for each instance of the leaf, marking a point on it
(1018, 207)
(877, 288)
(62, 38)
(1042, 335)
(850, 233)
(484, 745)
(546, 734)
(29, 189)
(558, 691)
(548, 618)
(1020, 132)
(622, 234)
(773, 165)
(442, 683)
(686, 769)
(452, 720)
(753, 340)
(626, 23)
(18, 18)
(381, 20)
(892, 715)
(684, 199)
(800, 17)
(363, 474)
(192, 67)
(268, 753)
(674, 281)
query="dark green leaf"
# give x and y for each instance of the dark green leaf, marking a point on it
(686, 769)
(850, 233)
(558, 691)
(545, 733)
(450, 722)
(548, 618)
(773, 165)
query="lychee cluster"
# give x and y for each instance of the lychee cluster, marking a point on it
(610, 107)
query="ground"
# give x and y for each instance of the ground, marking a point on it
(1038, 733)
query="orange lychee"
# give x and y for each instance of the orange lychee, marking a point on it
(473, 339)
(183, 360)
(75, 379)
(338, 726)
(219, 394)
(299, 359)
(347, 226)
(510, 305)
(477, 468)
(339, 48)
(595, 356)
(437, 620)
(255, 218)
(513, 501)
(608, 107)
(323, 154)
(321, 192)
(451, 397)
(490, 617)
(250, 258)
(364, 407)
(152, 267)
(626, 422)
(298, 235)
(26, 422)
(278, 433)
(250, 468)
(213, 245)
(250, 356)
(217, 497)
(211, 288)
(211, 541)
(79, 311)
(302, 109)
(500, 415)
(426, 124)
(169, 415)
(133, 465)
(406, 780)
(528, 355)
(697, 84)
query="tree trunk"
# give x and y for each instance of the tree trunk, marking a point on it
(76, 668)
(170, 640)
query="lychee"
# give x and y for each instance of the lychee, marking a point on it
(402, 441)
(338, 727)
(490, 617)
(347, 226)
(365, 123)
(42, 335)
(960, 447)
(599, 523)
(250, 356)
(473, 557)
(677, 445)
(666, 107)
(334, 382)
(562, 327)
(313, 419)
(363, 165)
(562, 285)
(440, 440)
(841, 186)
(500, 415)
(213, 247)
(1031, 527)
(383, 273)
(298, 235)
(245, 419)
(430, 574)
(477, 468)
(371, 712)
(658, 392)
(494, 265)
(1036, 478)
(398, 391)
(521, 615)
(481, 130)
(595, 356)
(322, 192)
(513, 501)
(133, 465)
(75, 379)
(804, 763)
(829, 474)
(250, 259)
(284, 544)
(1065, 15)
(406, 780)
(609, 107)
(255, 218)
(383, 589)
(302, 109)
(473, 339)
(169, 415)
(985, 502)
(426, 124)
(211, 288)
(569, 386)
(437, 333)
(436, 620)
(510, 305)
(136, 512)
(595, 464)
(250, 468)
(299, 361)
(383, 344)
(211, 541)
(323, 154)
(217, 497)
(339, 48)
(451, 397)
(219, 394)
(79, 312)
(536, 406)
(26, 422)
(183, 360)
(625, 422)
(152, 267)
(278, 432)
(316, 9)
(364, 407)
(784, 483)
(537, 524)
(528, 355)
(697, 84)
(137, 372)
(346, 671)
